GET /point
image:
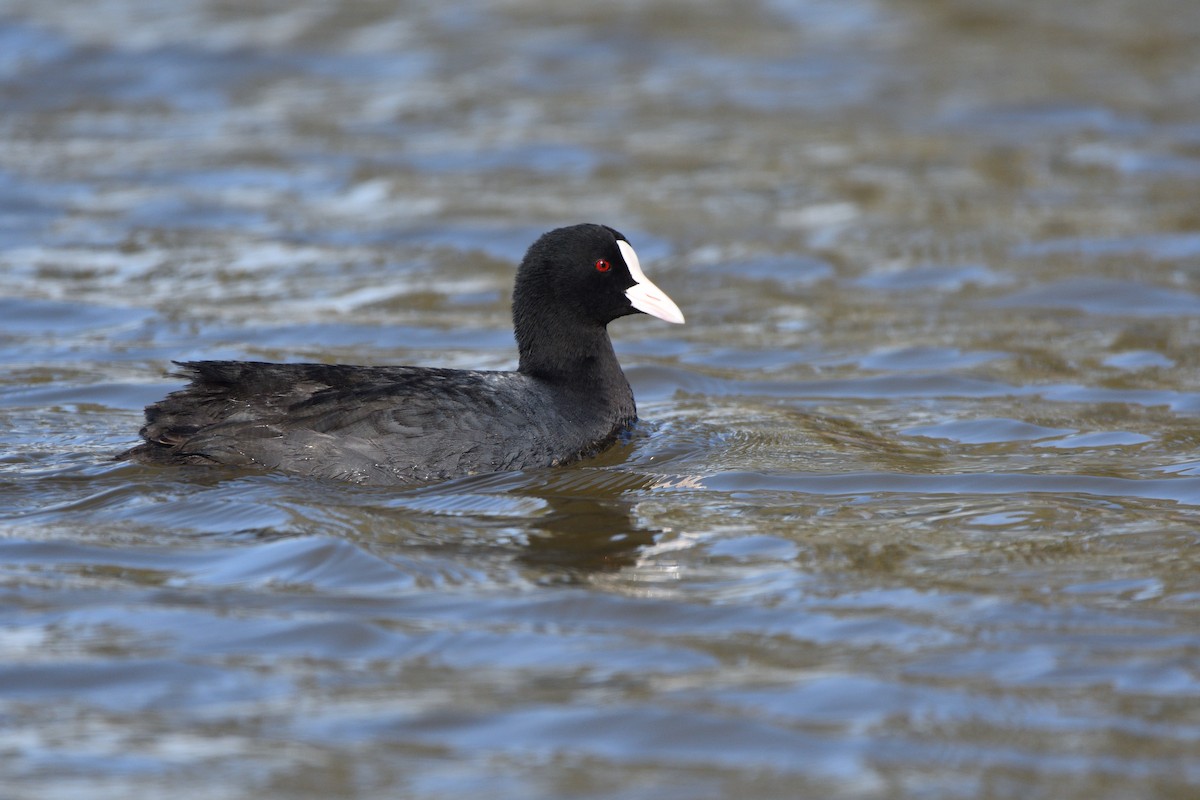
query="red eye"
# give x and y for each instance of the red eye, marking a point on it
(602, 265)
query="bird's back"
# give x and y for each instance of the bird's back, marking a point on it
(392, 425)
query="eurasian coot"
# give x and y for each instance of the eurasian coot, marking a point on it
(568, 398)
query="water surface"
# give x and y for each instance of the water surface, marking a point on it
(914, 504)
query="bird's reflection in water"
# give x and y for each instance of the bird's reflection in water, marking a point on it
(583, 535)
(570, 523)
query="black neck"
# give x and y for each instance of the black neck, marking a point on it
(581, 354)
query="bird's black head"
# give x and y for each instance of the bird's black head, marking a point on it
(592, 274)
(571, 284)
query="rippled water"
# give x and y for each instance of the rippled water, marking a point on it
(913, 510)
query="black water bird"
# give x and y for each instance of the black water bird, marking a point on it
(568, 398)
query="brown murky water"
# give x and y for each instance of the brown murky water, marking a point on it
(914, 508)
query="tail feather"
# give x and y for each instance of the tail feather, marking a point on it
(216, 393)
